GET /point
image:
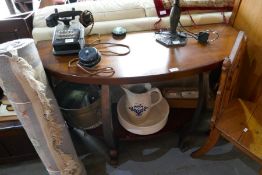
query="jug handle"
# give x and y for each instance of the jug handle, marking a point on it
(125, 89)
(159, 95)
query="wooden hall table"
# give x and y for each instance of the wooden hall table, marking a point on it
(148, 61)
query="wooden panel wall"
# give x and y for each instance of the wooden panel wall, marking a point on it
(249, 19)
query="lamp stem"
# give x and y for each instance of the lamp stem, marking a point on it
(174, 17)
(172, 38)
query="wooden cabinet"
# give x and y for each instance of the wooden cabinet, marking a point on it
(18, 26)
(235, 119)
(14, 143)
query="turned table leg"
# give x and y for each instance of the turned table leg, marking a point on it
(108, 129)
(186, 138)
(202, 100)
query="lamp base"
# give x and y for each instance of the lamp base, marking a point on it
(169, 39)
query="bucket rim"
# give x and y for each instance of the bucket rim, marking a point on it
(77, 109)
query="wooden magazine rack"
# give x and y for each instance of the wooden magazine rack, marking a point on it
(236, 120)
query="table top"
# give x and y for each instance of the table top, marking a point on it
(148, 61)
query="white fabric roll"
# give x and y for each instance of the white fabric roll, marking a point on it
(23, 80)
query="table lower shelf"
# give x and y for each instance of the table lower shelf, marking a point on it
(177, 118)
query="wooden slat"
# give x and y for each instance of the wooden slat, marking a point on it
(236, 58)
(234, 118)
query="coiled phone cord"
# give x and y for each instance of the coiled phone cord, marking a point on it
(104, 71)
(86, 19)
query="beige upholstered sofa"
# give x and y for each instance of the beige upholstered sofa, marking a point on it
(134, 15)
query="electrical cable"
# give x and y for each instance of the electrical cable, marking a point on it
(109, 44)
(112, 53)
(202, 36)
(215, 33)
(185, 29)
(104, 71)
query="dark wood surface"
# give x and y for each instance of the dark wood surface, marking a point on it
(148, 61)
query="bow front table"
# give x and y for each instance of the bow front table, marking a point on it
(148, 61)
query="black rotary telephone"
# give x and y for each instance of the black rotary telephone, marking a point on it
(68, 37)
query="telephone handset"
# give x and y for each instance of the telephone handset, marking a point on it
(68, 37)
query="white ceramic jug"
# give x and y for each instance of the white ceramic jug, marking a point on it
(139, 100)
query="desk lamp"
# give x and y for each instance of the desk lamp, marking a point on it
(172, 37)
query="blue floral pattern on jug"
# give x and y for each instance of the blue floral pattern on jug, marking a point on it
(138, 109)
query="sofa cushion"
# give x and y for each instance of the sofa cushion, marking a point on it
(136, 24)
(101, 10)
(134, 15)
(203, 5)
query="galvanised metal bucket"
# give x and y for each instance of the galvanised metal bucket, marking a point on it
(80, 104)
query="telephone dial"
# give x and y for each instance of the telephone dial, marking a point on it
(68, 37)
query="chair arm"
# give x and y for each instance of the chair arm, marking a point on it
(229, 76)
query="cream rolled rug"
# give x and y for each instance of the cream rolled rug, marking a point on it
(24, 82)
